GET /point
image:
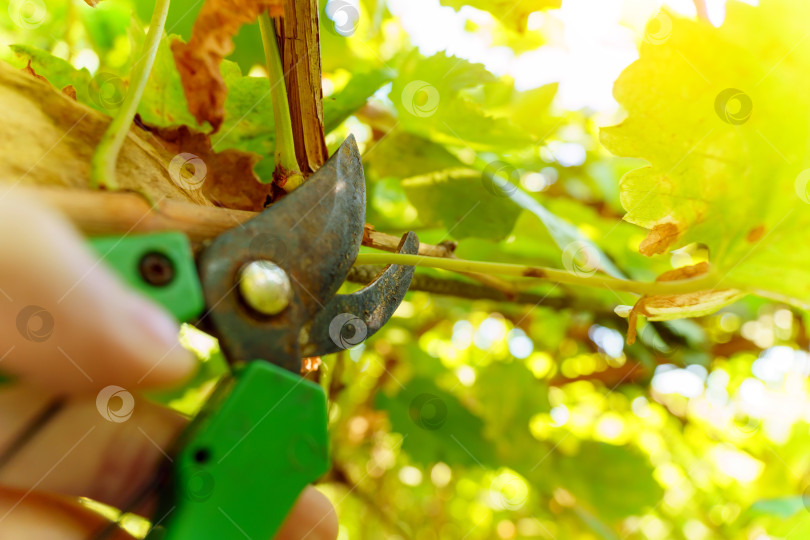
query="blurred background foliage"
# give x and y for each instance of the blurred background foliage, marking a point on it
(476, 419)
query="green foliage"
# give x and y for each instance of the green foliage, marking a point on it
(163, 102)
(435, 426)
(727, 156)
(58, 71)
(459, 200)
(514, 16)
(443, 98)
(615, 481)
(340, 106)
(249, 123)
(476, 419)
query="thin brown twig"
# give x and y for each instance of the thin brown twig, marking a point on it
(101, 212)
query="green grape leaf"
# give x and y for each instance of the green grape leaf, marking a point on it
(58, 72)
(403, 155)
(505, 411)
(522, 108)
(512, 14)
(459, 199)
(164, 103)
(249, 124)
(728, 159)
(436, 426)
(338, 107)
(508, 413)
(577, 249)
(614, 481)
(443, 98)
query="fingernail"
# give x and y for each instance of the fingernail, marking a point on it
(166, 360)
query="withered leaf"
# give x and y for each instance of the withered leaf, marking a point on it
(30, 70)
(49, 140)
(58, 136)
(211, 40)
(70, 91)
(665, 307)
(659, 239)
(223, 177)
(685, 272)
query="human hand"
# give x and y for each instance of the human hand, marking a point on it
(69, 329)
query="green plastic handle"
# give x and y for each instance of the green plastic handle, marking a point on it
(243, 461)
(246, 457)
(134, 255)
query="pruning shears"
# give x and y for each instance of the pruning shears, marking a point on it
(268, 291)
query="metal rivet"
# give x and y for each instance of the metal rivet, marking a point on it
(156, 269)
(265, 287)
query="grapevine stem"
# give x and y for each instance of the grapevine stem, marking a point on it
(704, 282)
(102, 165)
(286, 162)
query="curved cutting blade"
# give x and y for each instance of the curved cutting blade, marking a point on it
(349, 319)
(314, 234)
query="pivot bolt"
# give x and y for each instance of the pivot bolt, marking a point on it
(156, 269)
(265, 287)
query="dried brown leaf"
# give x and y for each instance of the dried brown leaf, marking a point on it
(211, 40)
(685, 272)
(226, 178)
(659, 239)
(30, 70)
(70, 91)
(662, 307)
(48, 139)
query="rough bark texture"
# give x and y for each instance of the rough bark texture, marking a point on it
(301, 59)
(48, 139)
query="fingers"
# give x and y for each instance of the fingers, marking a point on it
(312, 518)
(82, 453)
(68, 323)
(48, 517)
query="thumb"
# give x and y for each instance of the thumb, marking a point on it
(49, 517)
(67, 322)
